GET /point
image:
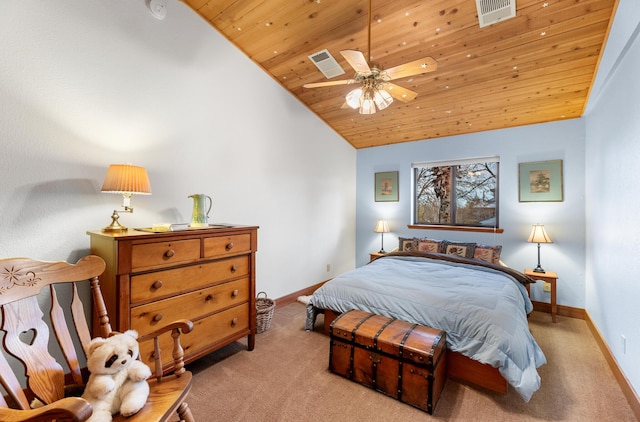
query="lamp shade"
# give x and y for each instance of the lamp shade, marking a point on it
(367, 106)
(126, 179)
(382, 227)
(353, 98)
(382, 99)
(539, 235)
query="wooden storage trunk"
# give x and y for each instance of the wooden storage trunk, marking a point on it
(403, 360)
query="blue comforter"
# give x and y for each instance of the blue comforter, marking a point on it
(482, 310)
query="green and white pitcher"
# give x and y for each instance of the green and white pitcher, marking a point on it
(200, 215)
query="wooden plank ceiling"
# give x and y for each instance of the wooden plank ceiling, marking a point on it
(536, 67)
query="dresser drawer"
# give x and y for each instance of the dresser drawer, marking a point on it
(146, 318)
(226, 245)
(164, 254)
(206, 332)
(169, 282)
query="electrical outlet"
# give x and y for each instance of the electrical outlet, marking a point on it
(546, 287)
(328, 267)
(624, 344)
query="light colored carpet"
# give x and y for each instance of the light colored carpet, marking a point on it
(286, 379)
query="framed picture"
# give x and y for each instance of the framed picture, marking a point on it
(386, 186)
(540, 181)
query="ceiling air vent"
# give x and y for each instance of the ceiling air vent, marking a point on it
(494, 11)
(326, 63)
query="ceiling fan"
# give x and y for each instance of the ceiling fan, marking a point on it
(375, 89)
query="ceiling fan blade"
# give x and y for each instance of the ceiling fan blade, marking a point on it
(356, 59)
(400, 93)
(424, 65)
(329, 83)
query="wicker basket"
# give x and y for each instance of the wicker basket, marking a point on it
(264, 308)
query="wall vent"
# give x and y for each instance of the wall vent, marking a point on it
(494, 11)
(326, 63)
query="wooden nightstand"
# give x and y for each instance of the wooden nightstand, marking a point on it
(374, 255)
(547, 277)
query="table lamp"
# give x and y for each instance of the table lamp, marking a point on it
(538, 235)
(127, 180)
(382, 227)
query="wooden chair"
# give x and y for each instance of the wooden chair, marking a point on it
(26, 338)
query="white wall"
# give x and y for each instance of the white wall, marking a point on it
(86, 83)
(564, 221)
(613, 200)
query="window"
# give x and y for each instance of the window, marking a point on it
(456, 193)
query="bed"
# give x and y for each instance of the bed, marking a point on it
(482, 306)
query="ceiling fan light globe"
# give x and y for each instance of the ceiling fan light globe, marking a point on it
(368, 106)
(382, 99)
(353, 98)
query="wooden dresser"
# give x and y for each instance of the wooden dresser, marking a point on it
(205, 275)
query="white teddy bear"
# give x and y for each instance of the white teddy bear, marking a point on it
(117, 380)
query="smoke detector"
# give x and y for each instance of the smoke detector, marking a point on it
(494, 11)
(326, 63)
(158, 8)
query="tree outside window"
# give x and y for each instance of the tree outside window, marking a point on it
(460, 194)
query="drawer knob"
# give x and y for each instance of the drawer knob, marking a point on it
(209, 297)
(169, 253)
(157, 284)
(234, 268)
(229, 246)
(157, 317)
(234, 322)
(234, 293)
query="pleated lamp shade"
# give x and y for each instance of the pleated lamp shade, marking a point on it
(382, 227)
(126, 178)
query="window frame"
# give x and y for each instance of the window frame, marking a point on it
(452, 226)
